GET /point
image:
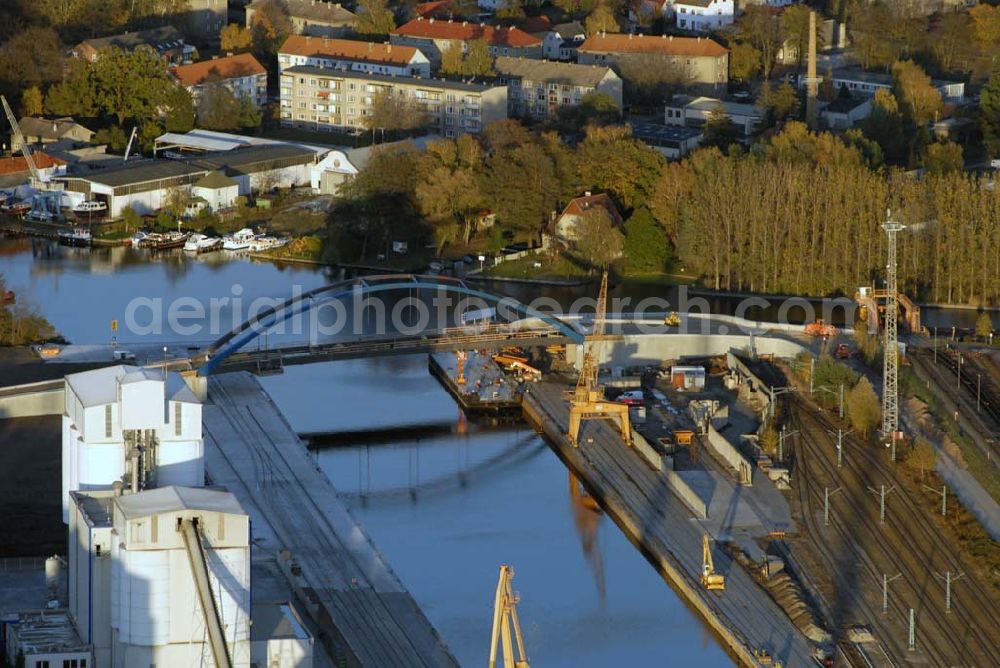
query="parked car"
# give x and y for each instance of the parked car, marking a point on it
(632, 398)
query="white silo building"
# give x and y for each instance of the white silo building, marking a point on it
(161, 577)
(130, 424)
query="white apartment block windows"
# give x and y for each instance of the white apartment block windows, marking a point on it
(107, 421)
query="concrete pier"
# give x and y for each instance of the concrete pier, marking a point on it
(365, 615)
(641, 502)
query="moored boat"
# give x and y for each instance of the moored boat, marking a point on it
(239, 240)
(77, 236)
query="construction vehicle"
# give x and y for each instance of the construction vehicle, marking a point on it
(672, 319)
(763, 657)
(820, 328)
(504, 617)
(844, 351)
(587, 401)
(710, 580)
(683, 436)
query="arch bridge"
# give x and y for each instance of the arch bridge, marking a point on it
(227, 351)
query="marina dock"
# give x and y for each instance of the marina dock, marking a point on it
(365, 614)
(639, 500)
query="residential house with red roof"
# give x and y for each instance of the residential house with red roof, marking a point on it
(353, 55)
(242, 74)
(704, 60)
(311, 17)
(565, 223)
(433, 37)
(703, 15)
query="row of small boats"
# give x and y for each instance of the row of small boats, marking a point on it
(243, 240)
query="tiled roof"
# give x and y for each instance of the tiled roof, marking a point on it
(240, 65)
(435, 84)
(15, 165)
(661, 44)
(427, 9)
(48, 129)
(578, 205)
(313, 11)
(348, 49)
(551, 71)
(466, 31)
(162, 38)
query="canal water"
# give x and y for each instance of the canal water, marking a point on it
(446, 501)
(452, 501)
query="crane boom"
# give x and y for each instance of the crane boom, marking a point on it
(128, 149)
(15, 130)
(504, 617)
(587, 401)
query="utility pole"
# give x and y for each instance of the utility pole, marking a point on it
(840, 444)
(890, 353)
(948, 579)
(781, 442)
(979, 392)
(812, 372)
(935, 345)
(944, 497)
(883, 492)
(911, 643)
(885, 590)
(958, 374)
(827, 493)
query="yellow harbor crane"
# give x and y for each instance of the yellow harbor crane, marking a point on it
(587, 401)
(505, 616)
(709, 578)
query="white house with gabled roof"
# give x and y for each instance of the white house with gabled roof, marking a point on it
(703, 15)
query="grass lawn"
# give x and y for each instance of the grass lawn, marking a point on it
(552, 267)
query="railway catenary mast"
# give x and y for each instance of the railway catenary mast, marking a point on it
(890, 353)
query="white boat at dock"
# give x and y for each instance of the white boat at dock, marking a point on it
(239, 240)
(264, 243)
(200, 243)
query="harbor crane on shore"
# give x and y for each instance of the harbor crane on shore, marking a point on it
(504, 617)
(17, 139)
(587, 401)
(710, 580)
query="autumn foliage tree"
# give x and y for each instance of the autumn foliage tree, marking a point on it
(235, 38)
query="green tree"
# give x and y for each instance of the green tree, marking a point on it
(647, 249)
(943, 157)
(744, 62)
(768, 439)
(795, 30)
(611, 159)
(218, 108)
(984, 325)
(374, 18)
(179, 107)
(602, 19)
(830, 374)
(249, 114)
(395, 112)
(129, 84)
(31, 57)
(863, 408)
(597, 239)
(761, 28)
(986, 26)
(989, 113)
(512, 9)
(780, 102)
(885, 125)
(521, 186)
(719, 131)
(919, 100)
(31, 102)
(269, 27)
(597, 108)
(478, 62)
(922, 457)
(450, 199)
(235, 38)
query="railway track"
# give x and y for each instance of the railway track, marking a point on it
(975, 380)
(857, 549)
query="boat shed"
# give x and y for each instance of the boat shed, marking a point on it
(145, 185)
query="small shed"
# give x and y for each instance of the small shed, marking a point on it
(217, 189)
(687, 377)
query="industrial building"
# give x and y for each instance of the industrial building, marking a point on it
(704, 60)
(159, 566)
(322, 99)
(129, 423)
(145, 186)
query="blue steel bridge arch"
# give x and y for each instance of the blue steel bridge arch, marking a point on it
(252, 328)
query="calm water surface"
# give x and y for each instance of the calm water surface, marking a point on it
(448, 509)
